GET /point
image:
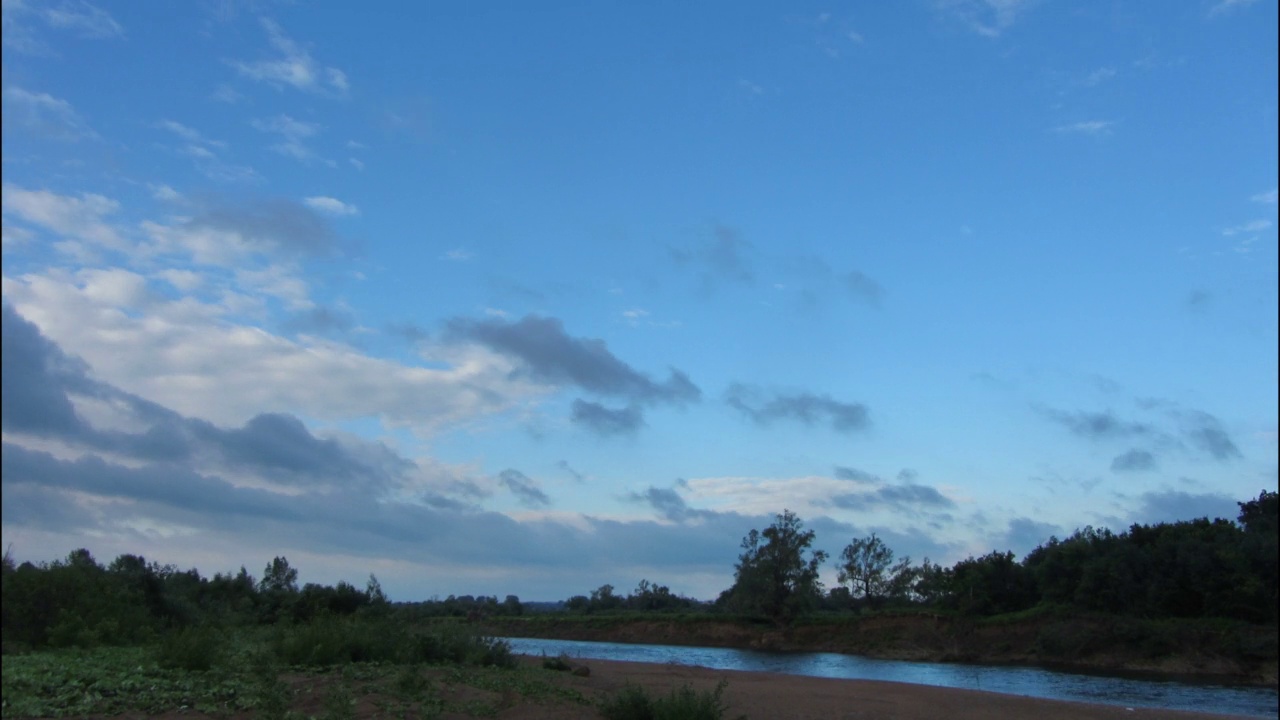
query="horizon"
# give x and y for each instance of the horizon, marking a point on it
(524, 301)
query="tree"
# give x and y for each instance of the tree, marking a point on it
(279, 577)
(773, 576)
(865, 566)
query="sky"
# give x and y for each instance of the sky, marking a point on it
(529, 298)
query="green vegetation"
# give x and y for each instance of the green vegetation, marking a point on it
(683, 703)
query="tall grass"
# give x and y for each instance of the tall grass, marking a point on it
(683, 703)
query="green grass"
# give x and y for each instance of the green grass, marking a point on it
(682, 703)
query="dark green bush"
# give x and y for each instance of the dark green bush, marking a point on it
(195, 648)
(556, 663)
(683, 703)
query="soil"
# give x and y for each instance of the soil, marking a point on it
(757, 696)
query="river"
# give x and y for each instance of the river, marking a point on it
(1029, 681)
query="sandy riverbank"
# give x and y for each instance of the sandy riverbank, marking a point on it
(762, 696)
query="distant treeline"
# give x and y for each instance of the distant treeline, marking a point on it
(1191, 569)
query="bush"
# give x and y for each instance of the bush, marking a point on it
(556, 663)
(197, 649)
(683, 703)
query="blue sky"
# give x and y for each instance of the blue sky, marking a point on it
(514, 299)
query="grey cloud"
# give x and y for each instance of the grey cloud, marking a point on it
(1134, 460)
(320, 320)
(524, 488)
(276, 225)
(724, 257)
(409, 332)
(1097, 425)
(863, 288)
(1206, 432)
(856, 475)
(906, 475)
(565, 466)
(1198, 300)
(807, 408)
(39, 380)
(1024, 534)
(902, 497)
(605, 421)
(670, 505)
(551, 355)
(1174, 505)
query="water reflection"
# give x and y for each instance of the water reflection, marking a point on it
(1030, 681)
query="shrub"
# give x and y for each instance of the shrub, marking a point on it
(195, 648)
(683, 703)
(556, 663)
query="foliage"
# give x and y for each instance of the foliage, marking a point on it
(867, 566)
(683, 703)
(773, 575)
(196, 648)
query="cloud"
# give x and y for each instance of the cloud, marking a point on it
(1099, 76)
(1249, 227)
(86, 20)
(670, 505)
(1228, 6)
(1206, 432)
(1025, 534)
(189, 134)
(293, 133)
(606, 421)
(807, 408)
(1134, 460)
(75, 16)
(548, 354)
(1168, 506)
(270, 225)
(320, 320)
(44, 115)
(863, 288)
(332, 206)
(188, 356)
(1198, 300)
(82, 218)
(723, 257)
(577, 476)
(1087, 127)
(905, 497)
(858, 476)
(1097, 425)
(294, 67)
(1266, 198)
(989, 18)
(524, 488)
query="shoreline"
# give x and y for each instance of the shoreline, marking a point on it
(777, 695)
(908, 638)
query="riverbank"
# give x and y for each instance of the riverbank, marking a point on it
(1195, 651)
(791, 697)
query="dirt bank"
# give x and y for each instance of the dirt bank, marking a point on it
(1201, 652)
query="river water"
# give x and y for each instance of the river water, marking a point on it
(1030, 681)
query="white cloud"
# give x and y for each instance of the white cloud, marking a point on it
(293, 133)
(189, 134)
(229, 373)
(73, 218)
(224, 93)
(332, 206)
(1229, 5)
(11, 236)
(45, 114)
(356, 164)
(988, 18)
(88, 20)
(1099, 76)
(165, 193)
(457, 255)
(1267, 198)
(184, 280)
(294, 67)
(1087, 127)
(1249, 227)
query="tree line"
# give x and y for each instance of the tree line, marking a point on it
(1191, 569)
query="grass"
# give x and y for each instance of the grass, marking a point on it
(682, 703)
(270, 672)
